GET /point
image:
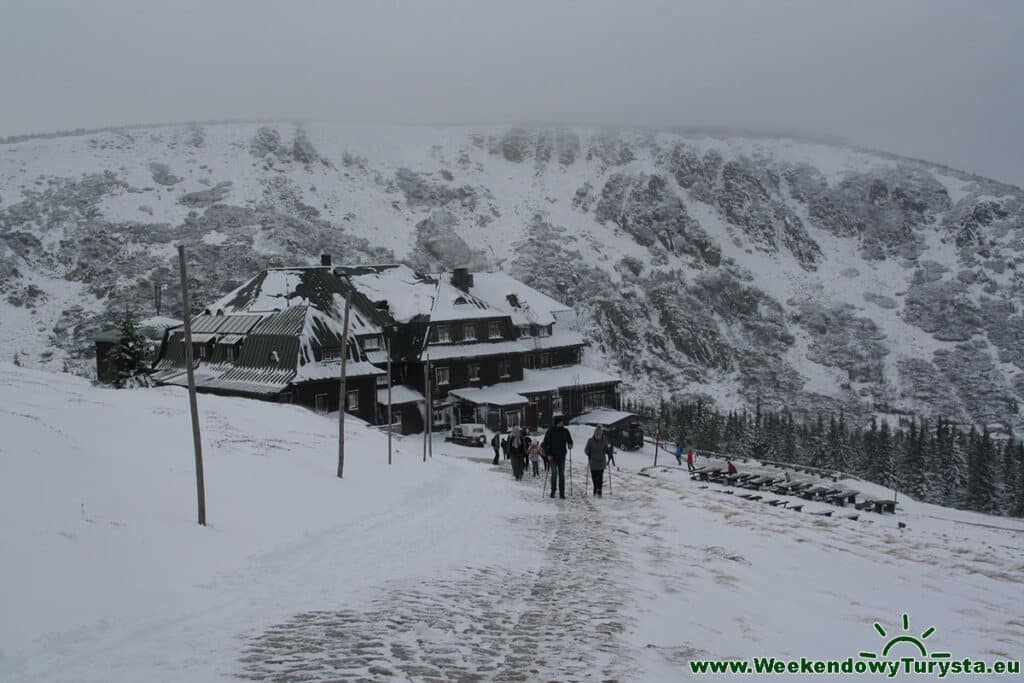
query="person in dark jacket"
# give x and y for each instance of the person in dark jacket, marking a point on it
(496, 444)
(557, 442)
(597, 449)
(518, 444)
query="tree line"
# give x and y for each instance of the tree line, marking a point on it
(934, 462)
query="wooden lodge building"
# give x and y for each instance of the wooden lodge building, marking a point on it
(496, 351)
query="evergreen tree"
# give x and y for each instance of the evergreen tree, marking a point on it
(127, 357)
(982, 483)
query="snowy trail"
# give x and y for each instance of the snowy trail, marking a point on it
(560, 620)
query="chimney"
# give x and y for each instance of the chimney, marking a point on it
(462, 279)
(325, 259)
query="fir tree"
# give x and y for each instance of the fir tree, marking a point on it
(127, 357)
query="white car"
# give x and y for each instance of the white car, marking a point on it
(469, 434)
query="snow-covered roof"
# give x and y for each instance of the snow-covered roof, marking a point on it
(496, 395)
(516, 346)
(536, 382)
(160, 322)
(603, 417)
(451, 303)
(527, 305)
(311, 372)
(407, 293)
(400, 394)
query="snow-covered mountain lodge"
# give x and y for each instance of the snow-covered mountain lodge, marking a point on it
(499, 352)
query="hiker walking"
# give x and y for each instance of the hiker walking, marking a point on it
(729, 467)
(535, 458)
(517, 445)
(557, 442)
(679, 452)
(597, 452)
(504, 446)
(496, 444)
(690, 455)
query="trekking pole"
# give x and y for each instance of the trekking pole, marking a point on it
(609, 480)
(570, 472)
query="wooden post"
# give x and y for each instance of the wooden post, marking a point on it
(197, 442)
(430, 412)
(426, 406)
(657, 437)
(341, 390)
(387, 348)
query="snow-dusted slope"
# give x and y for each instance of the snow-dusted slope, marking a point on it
(804, 274)
(444, 569)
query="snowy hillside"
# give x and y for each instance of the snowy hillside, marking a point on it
(806, 275)
(422, 570)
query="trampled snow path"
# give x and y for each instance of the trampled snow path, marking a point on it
(560, 621)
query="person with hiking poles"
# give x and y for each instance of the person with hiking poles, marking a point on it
(557, 442)
(496, 445)
(597, 451)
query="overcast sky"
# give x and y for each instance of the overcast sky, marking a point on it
(937, 79)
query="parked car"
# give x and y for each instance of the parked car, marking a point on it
(468, 435)
(628, 438)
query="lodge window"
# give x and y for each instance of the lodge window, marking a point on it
(593, 399)
(545, 360)
(229, 353)
(441, 377)
(504, 367)
(371, 343)
(544, 331)
(352, 404)
(474, 372)
(556, 404)
(321, 403)
(330, 354)
(442, 334)
(528, 361)
(494, 330)
(469, 332)
(202, 351)
(382, 380)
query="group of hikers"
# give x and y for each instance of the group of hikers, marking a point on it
(551, 451)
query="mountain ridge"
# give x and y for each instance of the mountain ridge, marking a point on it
(802, 274)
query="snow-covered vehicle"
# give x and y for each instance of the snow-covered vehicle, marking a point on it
(468, 434)
(626, 438)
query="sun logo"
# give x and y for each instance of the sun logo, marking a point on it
(916, 641)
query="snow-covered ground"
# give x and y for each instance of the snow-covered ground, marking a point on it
(423, 571)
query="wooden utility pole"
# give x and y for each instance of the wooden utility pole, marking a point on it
(657, 437)
(197, 442)
(341, 390)
(387, 348)
(430, 412)
(426, 407)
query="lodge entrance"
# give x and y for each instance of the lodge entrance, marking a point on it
(532, 415)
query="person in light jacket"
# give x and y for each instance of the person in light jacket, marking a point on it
(597, 456)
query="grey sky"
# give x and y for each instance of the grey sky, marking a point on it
(936, 79)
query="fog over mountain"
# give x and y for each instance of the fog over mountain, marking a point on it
(938, 80)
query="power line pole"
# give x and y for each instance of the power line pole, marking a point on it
(341, 391)
(657, 436)
(387, 348)
(197, 442)
(426, 406)
(430, 411)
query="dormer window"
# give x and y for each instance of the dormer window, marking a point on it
(494, 329)
(442, 334)
(469, 332)
(371, 343)
(513, 300)
(461, 301)
(330, 354)
(544, 331)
